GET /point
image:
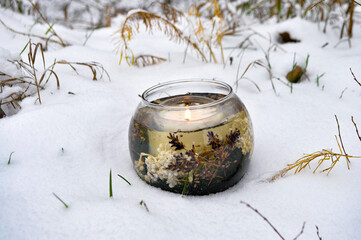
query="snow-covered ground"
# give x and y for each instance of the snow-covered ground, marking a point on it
(68, 144)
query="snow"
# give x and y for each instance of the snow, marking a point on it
(68, 144)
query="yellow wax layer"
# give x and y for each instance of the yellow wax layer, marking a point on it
(199, 138)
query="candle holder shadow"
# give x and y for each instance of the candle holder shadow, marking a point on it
(200, 141)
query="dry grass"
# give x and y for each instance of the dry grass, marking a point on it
(339, 14)
(34, 80)
(321, 157)
(51, 26)
(200, 39)
(46, 40)
(152, 22)
(147, 60)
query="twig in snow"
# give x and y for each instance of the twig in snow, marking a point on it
(301, 232)
(359, 137)
(354, 77)
(318, 233)
(343, 91)
(264, 218)
(271, 225)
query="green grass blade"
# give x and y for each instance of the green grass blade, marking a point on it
(24, 48)
(185, 185)
(19, 7)
(47, 31)
(110, 184)
(142, 203)
(307, 59)
(124, 179)
(65, 205)
(10, 158)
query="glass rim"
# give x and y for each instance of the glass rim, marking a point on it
(226, 86)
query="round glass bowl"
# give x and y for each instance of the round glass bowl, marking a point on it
(191, 136)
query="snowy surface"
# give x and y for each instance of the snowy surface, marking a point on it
(92, 127)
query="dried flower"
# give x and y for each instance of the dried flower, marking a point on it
(175, 142)
(213, 140)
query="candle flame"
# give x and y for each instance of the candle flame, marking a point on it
(187, 115)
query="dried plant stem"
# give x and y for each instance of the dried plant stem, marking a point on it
(318, 233)
(264, 218)
(50, 25)
(357, 2)
(301, 232)
(38, 79)
(312, 6)
(359, 137)
(343, 148)
(147, 60)
(305, 161)
(350, 25)
(31, 59)
(354, 77)
(322, 156)
(48, 39)
(150, 20)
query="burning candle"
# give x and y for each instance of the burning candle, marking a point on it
(187, 115)
(195, 130)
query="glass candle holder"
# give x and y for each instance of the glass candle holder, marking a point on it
(191, 136)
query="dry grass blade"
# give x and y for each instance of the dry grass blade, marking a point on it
(312, 6)
(51, 28)
(151, 21)
(169, 12)
(94, 67)
(32, 59)
(357, 2)
(343, 148)
(264, 218)
(46, 39)
(147, 60)
(252, 64)
(13, 98)
(322, 156)
(33, 80)
(351, 11)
